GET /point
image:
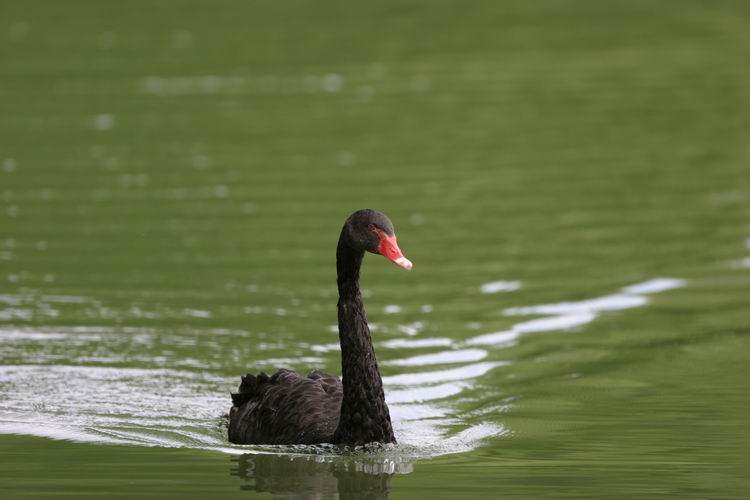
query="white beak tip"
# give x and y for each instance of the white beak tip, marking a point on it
(404, 262)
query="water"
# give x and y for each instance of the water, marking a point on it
(570, 181)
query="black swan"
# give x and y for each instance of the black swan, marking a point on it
(287, 408)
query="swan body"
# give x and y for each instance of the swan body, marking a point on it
(288, 408)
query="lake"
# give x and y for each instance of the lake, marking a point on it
(570, 179)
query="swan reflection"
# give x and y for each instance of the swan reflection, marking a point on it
(310, 476)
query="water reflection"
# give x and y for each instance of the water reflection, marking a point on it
(562, 316)
(312, 476)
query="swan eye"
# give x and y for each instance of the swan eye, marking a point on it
(371, 228)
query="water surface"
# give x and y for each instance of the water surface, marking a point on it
(570, 180)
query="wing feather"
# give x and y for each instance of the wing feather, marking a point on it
(285, 408)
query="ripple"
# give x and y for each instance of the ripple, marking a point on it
(500, 286)
(416, 343)
(616, 302)
(655, 285)
(304, 360)
(176, 401)
(433, 377)
(743, 263)
(197, 313)
(420, 394)
(178, 409)
(445, 357)
(569, 315)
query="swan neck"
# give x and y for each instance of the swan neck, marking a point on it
(364, 414)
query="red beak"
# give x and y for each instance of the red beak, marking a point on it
(389, 249)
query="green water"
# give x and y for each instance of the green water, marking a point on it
(571, 180)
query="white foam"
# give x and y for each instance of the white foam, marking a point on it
(197, 313)
(16, 313)
(743, 263)
(554, 323)
(104, 122)
(409, 411)
(56, 431)
(281, 362)
(389, 309)
(417, 343)
(333, 346)
(411, 329)
(444, 357)
(655, 285)
(433, 377)
(500, 286)
(420, 394)
(471, 437)
(616, 302)
(147, 407)
(16, 335)
(496, 338)
(332, 82)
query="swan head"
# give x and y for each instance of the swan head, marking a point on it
(372, 231)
